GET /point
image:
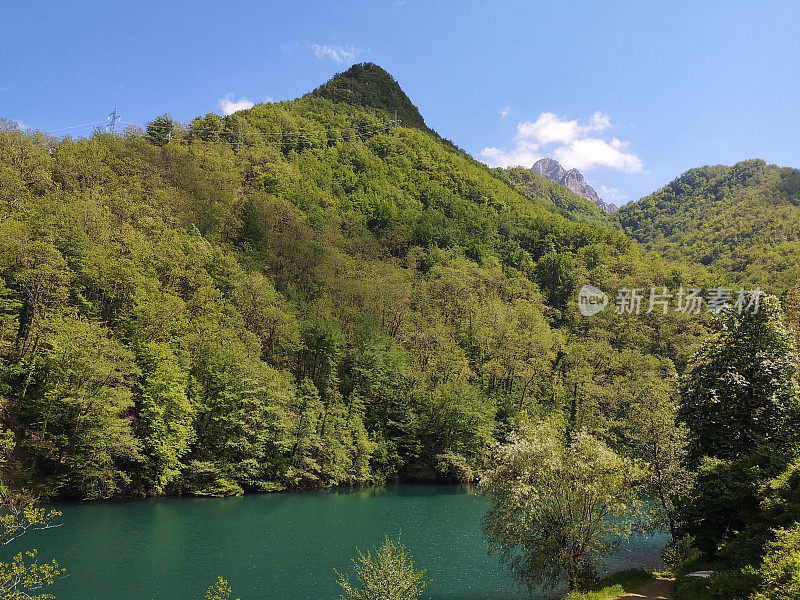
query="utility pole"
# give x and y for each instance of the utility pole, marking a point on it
(113, 117)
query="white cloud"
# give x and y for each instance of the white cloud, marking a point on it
(613, 195)
(518, 156)
(3, 90)
(504, 112)
(590, 153)
(574, 145)
(339, 54)
(230, 106)
(599, 121)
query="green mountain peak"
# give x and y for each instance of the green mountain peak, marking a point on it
(367, 84)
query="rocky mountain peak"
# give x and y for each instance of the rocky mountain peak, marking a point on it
(573, 180)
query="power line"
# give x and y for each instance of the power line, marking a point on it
(307, 135)
(75, 126)
(304, 133)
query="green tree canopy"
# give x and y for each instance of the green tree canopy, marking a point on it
(556, 507)
(742, 389)
(780, 569)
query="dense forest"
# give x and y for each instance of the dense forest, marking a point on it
(743, 222)
(324, 292)
(300, 294)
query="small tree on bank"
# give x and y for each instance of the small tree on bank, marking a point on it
(390, 575)
(660, 445)
(556, 506)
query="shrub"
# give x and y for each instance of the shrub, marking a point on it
(780, 569)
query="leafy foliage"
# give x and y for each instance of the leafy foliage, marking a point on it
(741, 403)
(780, 570)
(219, 590)
(534, 185)
(366, 84)
(556, 506)
(389, 575)
(23, 576)
(742, 390)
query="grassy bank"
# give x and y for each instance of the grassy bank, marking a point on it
(614, 585)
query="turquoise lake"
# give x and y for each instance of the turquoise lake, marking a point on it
(280, 546)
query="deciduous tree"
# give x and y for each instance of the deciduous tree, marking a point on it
(556, 507)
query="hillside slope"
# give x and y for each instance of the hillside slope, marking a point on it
(742, 221)
(298, 295)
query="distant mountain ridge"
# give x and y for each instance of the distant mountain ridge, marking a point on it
(572, 180)
(741, 221)
(537, 187)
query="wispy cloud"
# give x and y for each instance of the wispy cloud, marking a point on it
(3, 90)
(613, 195)
(339, 54)
(573, 144)
(230, 106)
(504, 112)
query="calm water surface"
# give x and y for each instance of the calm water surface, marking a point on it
(278, 546)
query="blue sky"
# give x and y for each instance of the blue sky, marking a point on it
(632, 93)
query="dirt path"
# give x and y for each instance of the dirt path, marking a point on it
(660, 589)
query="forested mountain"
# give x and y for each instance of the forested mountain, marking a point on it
(742, 221)
(302, 294)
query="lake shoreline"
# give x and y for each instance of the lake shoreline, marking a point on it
(301, 490)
